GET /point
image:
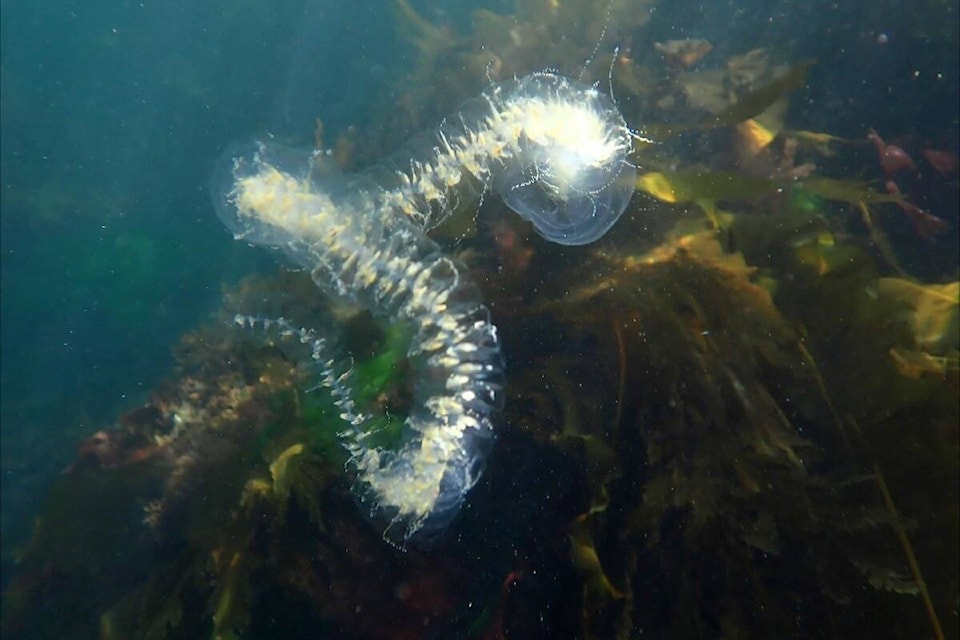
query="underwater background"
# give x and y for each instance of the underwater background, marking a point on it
(733, 416)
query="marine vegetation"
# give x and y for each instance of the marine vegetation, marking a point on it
(735, 416)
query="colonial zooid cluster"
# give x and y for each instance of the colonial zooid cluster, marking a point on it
(557, 152)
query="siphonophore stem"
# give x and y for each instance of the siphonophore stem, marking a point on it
(556, 151)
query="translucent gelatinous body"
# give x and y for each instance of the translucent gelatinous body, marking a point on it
(557, 153)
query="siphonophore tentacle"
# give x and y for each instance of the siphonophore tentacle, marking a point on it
(557, 153)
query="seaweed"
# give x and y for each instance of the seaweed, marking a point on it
(691, 186)
(760, 99)
(934, 316)
(711, 439)
(228, 460)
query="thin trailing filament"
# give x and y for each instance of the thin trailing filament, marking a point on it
(557, 153)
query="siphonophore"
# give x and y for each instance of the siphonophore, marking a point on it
(557, 153)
